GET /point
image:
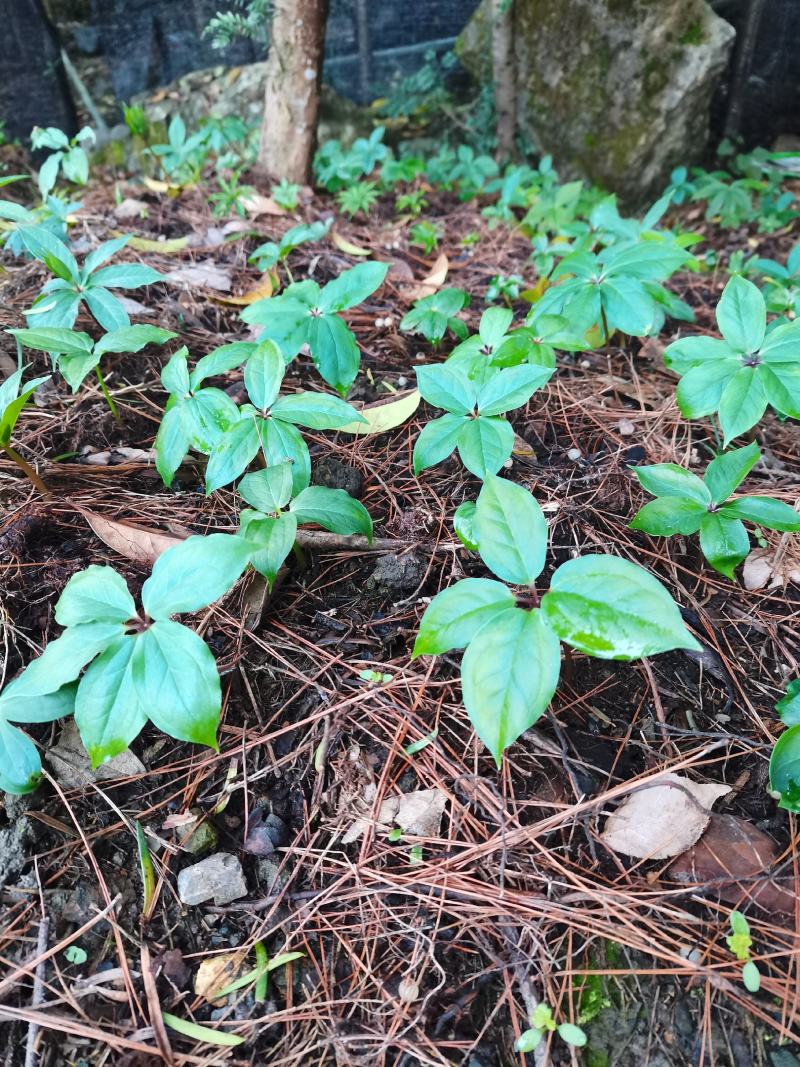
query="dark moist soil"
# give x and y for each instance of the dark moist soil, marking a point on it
(413, 955)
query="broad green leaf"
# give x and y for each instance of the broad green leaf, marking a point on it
(96, 594)
(782, 345)
(108, 311)
(511, 531)
(133, 338)
(447, 387)
(74, 369)
(193, 574)
(669, 479)
(742, 315)
(103, 253)
(728, 471)
(781, 383)
(175, 373)
(64, 658)
(764, 510)
(172, 443)
(207, 416)
(125, 276)
(9, 413)
(742, 403)
(494, 325)
(610, 608)
(55, 255)
(233, 453)
(628, 306)
(110, 703)
(45, 707)
(645, 261)
(54, 339)
(273, 539)
(437, 440)
(509, 674)
(669, 515)
(484, 444)
(317, 411)
(511, 388)
(455, 615)
(788, 707)
(200, 1033)
(334, 351)
(268, 490)
(280, 443)
(263, 374)
(464, 525)
(333, 509)
(286, 318)
(724, 542)
(57, 308)
(221, 360)
(20, 766)
(352, 287)
(180, 682)
(700, 390)
(784, 769)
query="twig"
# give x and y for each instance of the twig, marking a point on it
(31, 1054)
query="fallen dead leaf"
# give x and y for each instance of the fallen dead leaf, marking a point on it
(215, 973)
(400, 271)
(733, 859)
(130, 208)
(419, 813)
(205, 274)
(146, 244)
(765, 568)
(662, 820)
(431, 282)
(265, 288)
(257, 204)
(384, 414)
(116, 456)
(347, 246)
(134, 542)
(133, 307)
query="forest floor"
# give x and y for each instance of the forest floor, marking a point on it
(434, 954)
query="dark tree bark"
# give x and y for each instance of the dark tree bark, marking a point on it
(33, 87)
(292, 87)
(503, 77)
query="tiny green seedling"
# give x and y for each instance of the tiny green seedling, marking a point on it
(474, 422)
(67, 156)
(358, 198)
(432, 316)
(542, 1022)
(183, 156)
(231, 195)
(269, 254)
(60, 300)
(286, 194)
(740, 942)
(738, 376)
(505, 287)
(304, 314)
(271, 527)
(425, 235)
(269, 423)
(599, 604)
(687, 504)
(139, 666)
(412, 202)
(13, 399)
(782, 288)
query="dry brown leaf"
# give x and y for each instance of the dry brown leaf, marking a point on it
(662, 820)
(419, 813)
(206, 274)
(384, 414)
(763, 568)
(257, 204)
(264, 289)
(431, 282)
(347, 246)
(215, 973)
(134, 542)
(733, 859)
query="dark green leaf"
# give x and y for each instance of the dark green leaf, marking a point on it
(742, 315)
(728, 471)
(511, 388)
(464, 525)
(668, 479)
(334, 351)
(20, 766)
(281, 443)
(742, 403)
(484, 444)
(352, 287)
(669, 515)
(273, 539)
(437, 440)
(784, 769)
(447, 387)
(455, 615)
(193, 574)
(64, 658)
(333, 509)
(788, 707)
(233, 453)
(44, 707)
(172, 444)
(317, 411)
(724, 542)
(96, 594)
(108, 311)
(268, 490)
(511, 531)
(110, 705)
(263, 374)
(773, 514)
(133, 338)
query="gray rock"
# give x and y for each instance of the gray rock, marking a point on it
(624, 96)
(72, 765)
(397, 573)
(219, 878)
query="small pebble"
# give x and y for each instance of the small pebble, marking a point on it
(574, 454)
(220, 877)
(625, 427)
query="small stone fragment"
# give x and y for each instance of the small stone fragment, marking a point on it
(73, 768)
(220, 877)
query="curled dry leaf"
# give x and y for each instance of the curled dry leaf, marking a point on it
(205, 274)
(346, 246)
(134, 542)
(733, 859)
(258, 204)
(431, 282)
(770, 568)
(661, 820)
(384, 414)
(215, 973)
(419, 813)
(265, 288)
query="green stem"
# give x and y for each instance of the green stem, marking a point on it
(108, 396)
(605, 325)
(27, 470)
(261, 963)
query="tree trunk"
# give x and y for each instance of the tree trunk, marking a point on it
(291, 92)
(503, 77)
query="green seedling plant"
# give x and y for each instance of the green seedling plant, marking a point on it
(20, 765)
(599, 604)
(358, 198)
(13, 398)
(542, 1022)
(304, 314)
(432, 316)
(471, 173)
(474, 421)
(76, 354)
(738, 376)
(784, 764)
(397, 171)
(61, 298)
(681, 188)
(413, 202)
(425, 235)
(505, 287)
(782, 283)
(270, 254)
(740, 943)
(686, 504)
(231, 195)
(140, 665)
(269, 423)
(336, 167)
(286, 194)
(50, 216)
(277, 510)
(67, 157)
(183, 156)
(729, 200)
